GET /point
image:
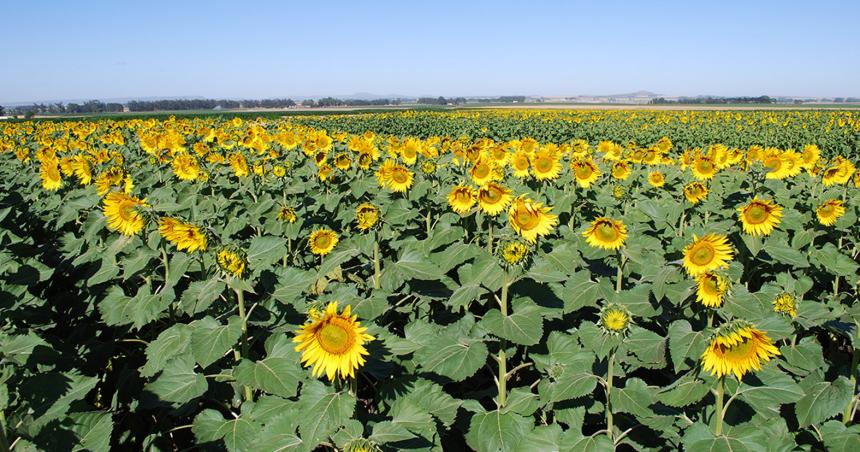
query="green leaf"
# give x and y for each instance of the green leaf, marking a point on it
(264, 251)
(178, 382)
(685, 345)
(210, 339)
(238, 434)
(494, 431)
(785, 254)
(389, 432)
(274, 375)
(635, 398)
(415, 265)
(172, 342)
(648, 346)
(118, 309)
(93, 429)
(292, 283)
(431, 398)
(823, 400)
(323, 410)
(48, 408)
(573, 440)
(200, 295)
(839, 438)
(523, 326)
(685, 391)
(452, 356)
(766, 390)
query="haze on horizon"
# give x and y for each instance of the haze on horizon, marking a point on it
(216, 49)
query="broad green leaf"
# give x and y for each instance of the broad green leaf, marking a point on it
(523, 326)
(264, 251)
(452, 356)
(685, 391)
(210, 339)
(172, 342)
(274, 375)
(495, 431)
(823, 400)
(178, 383)
(324, 411)
(685, 345)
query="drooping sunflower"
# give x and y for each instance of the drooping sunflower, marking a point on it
(49, 172)
(531, 219)
(656, 179)
(585, 172)
(760, 217)
(322, 241)
(710, 289)
(185, 236)
(122, 214)
(614, 319)
(703, 168)
(366, 215)
(737, 348)
(461, 198)
(785, 304)
(606, 233)
(231, 261)
(287, 215)
(695, 192)
(332, 342)
(546, 164)
(494, 198)
(830, 211)
(399, 179)
(708, 253)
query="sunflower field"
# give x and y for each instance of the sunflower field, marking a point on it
(494, 280)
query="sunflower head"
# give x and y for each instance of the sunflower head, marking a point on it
(232, 261)
(785, 304)
(704, 168)
(830, 211)
(428, 167)
(531, 219)
(737, 348)
(614, 319)
(322, 241)
(399, 178)
(711, 289)
(122, 212)
(619, 191)
(585, 171)
(287, 215)
(332, 342)
(708, 253)
(493, 198)
(695, 192)
(656, 179)
(461, 198)
(760, 217)
(620, 170)
(606, 233)
(366, 215)
(514, 254)
(546, 164)
(185, 236)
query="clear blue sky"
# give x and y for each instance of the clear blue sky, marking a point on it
(109, 49)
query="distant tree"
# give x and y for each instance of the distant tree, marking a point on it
(839, 100)
(2, 111)
(29, 114)
(308, 103)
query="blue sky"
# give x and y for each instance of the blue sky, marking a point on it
(92, 49)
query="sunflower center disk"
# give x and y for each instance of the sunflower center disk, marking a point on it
(322, 241)
(526, 220)
(606, 233)
(704, 254)
(399, 177)
(756, 214)
(741, 351)
(335, 339)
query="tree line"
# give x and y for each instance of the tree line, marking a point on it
(713, 100)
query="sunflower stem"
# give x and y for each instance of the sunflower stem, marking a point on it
(164, 262)
(609, 376)
(503, 363)
(490, 236)
(240, 298)
(847, 415)
(619, 275)
(376, 268)
(720, 393)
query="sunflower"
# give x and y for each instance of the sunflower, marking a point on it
(322, 241)
(332, 343)
(585, 172)
(737, 348)
(279, 171)
(614, 319)
(531, 219)
(620, 170)
(49, 172)
(112, 177)
(122, 215)
(710, 289)
(231, 261)
(287, 215)
(185, 166)
(546, 165)
(520, 164)
(428, 167)
(342, 161)
(493, 198)
(707, 253)
(703, 168)
(695, 192)
(656, 179)
(399, 179)
(366, 215)
(185, 236)
(785, 304)
(482, 172)
(461, 198)
(238, 164)
(606, 233)
(830, 211)
(759, 217)
(384, 172)
(515, 253)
